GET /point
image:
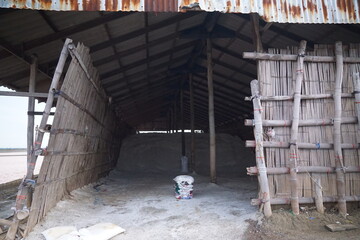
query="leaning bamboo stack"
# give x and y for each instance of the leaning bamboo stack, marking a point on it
(84, 138)
(318, 150)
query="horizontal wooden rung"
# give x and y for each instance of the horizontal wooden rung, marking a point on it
(23, 94)
(303, 97)
(302, 169)
(307, 122)
(271, 144)
(294, 57)
(303, 200)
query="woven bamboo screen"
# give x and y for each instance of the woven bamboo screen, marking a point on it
(84, 138)
(315, 141)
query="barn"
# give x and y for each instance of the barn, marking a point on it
(231, 88)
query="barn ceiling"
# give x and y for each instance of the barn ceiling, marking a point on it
(144, 59)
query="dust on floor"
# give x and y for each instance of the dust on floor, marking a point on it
(146, 208)
(308, 225)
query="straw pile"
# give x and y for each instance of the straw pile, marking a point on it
(277, 78)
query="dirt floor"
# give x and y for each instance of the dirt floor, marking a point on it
(308, 225)
(145, 206)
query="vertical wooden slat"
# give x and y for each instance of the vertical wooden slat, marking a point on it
(211, 112)
(259, 150)
(340, 179)
(318, 196)
(356, 83)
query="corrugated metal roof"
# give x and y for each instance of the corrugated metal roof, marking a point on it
(143, 57)
(282, 11)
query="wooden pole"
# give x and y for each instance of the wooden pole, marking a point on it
(300, 145)
(303, 97)
(318, 196)
(292, 57)
(294, 129)
(22, 195)
(31, 107)
(340, 180)
(192, 124)
(260, 157)
(175, 117)
(183, 150)
(211, 112)
(301, 169)
(356, 82)
(307, 122)
(23, 94)
(256, 32)
(305, 200)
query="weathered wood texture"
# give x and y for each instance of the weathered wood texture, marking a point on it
(84, 139)
(276, 78)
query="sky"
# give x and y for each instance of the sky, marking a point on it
(13, 120)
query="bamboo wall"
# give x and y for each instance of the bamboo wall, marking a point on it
(84, 138)
(277, 78)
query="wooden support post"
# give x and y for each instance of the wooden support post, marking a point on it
(31, 107)
(256, 32)
(260, 157)
(295, 128)
(340, 179)
(356, 82)
(183, 150)
(175, 117)
(211, 112)
(318, 196)
(24, 187)
(192, 124)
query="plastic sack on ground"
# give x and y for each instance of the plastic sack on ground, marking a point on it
(184, 187)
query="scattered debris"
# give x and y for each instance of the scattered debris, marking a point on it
(337, 227)
(100, 231)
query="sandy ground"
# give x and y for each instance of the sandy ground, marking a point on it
(308, 225)
(13, 166)
(146, 208)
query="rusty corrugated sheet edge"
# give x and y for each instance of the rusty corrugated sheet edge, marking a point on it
(282, 11)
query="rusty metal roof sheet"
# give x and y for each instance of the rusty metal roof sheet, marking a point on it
(282, 11)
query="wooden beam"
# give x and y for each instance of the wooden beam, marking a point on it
(20, 55)
(226, 95)
(144, 61)
(139, 32)
(232, 68)
(71, 30)
(156, 70)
